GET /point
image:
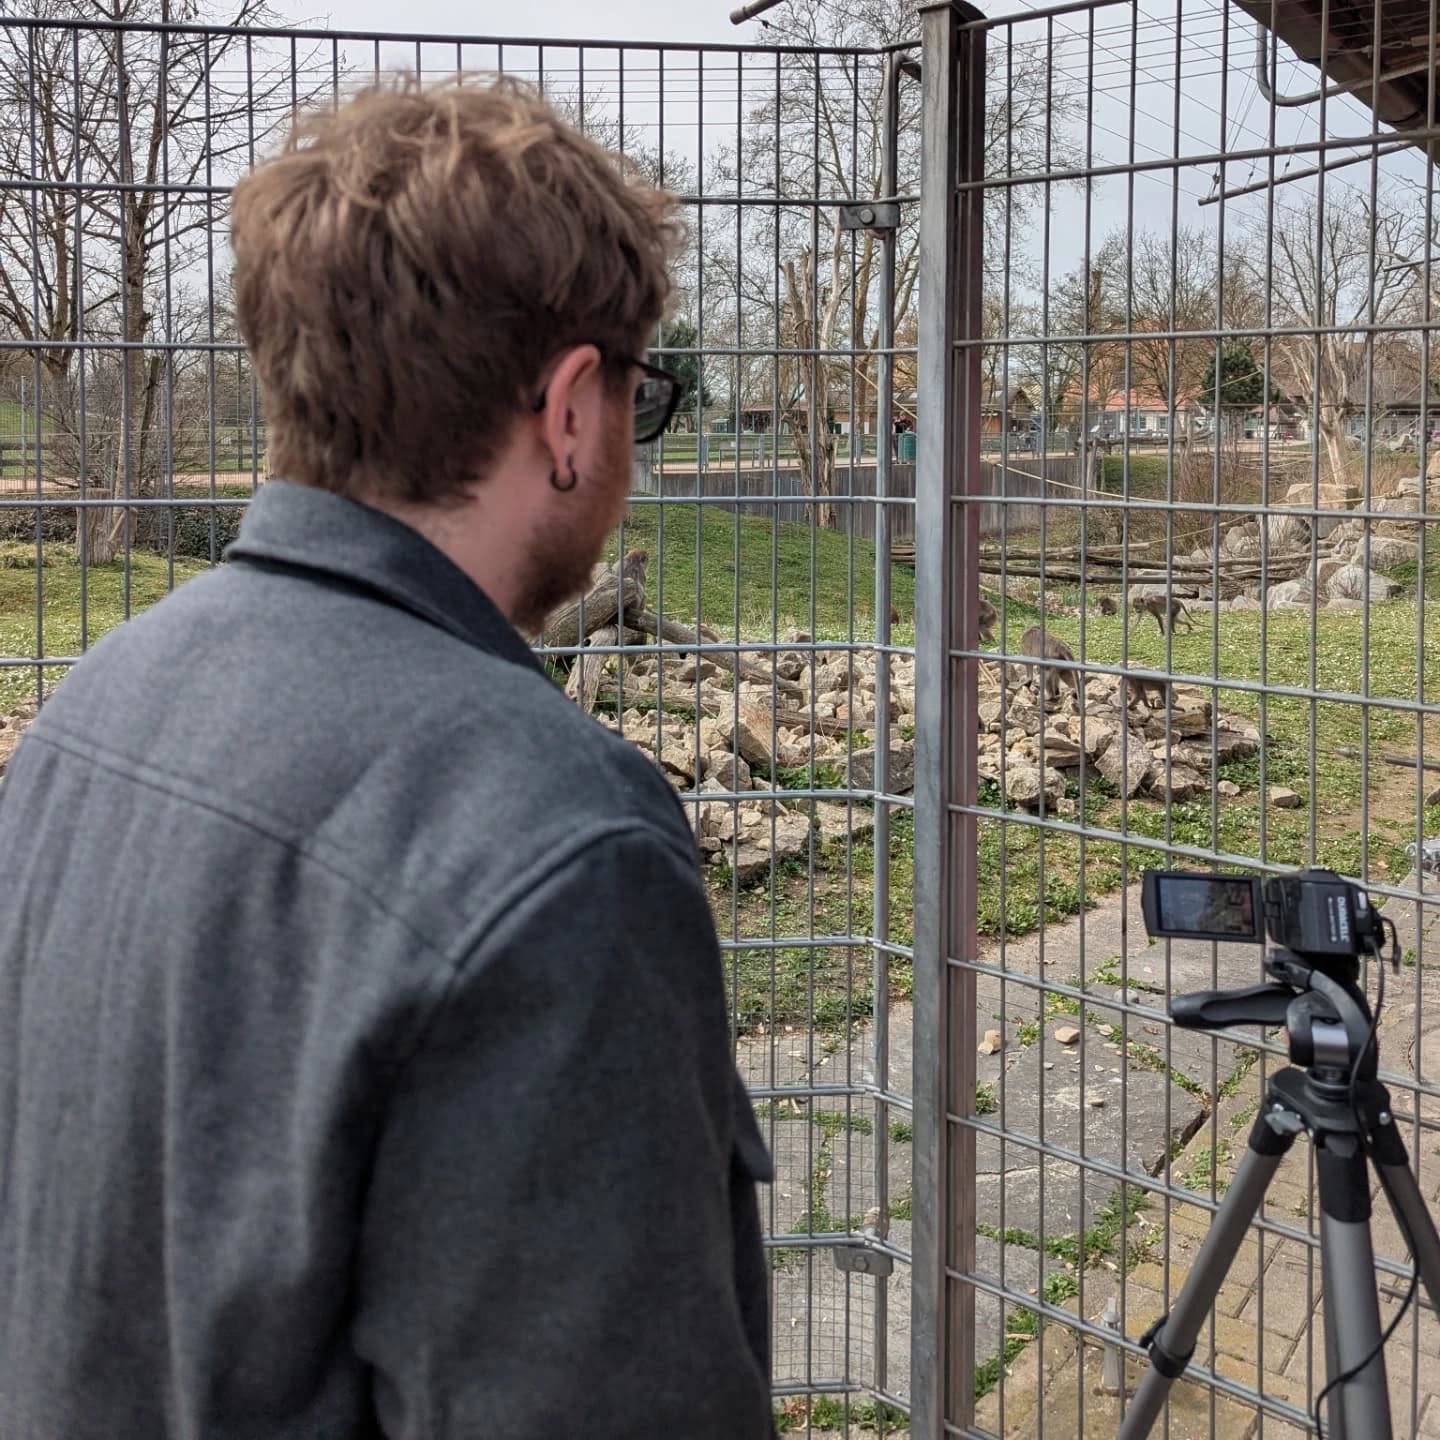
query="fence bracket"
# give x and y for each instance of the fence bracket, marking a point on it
(861, 1260)
(870, 215)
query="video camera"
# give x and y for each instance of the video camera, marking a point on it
(1317, 915)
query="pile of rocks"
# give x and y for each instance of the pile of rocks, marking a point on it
(1351, 552)
(728, 746)
(1166, 753)
(12, 727)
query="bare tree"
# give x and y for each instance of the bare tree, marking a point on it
(811, 289)
(131, 135)
(1173, 291)
(1334, 274)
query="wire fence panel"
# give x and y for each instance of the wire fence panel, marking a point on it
(1196, 314)
(765, 657)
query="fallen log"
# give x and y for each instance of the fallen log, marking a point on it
(583, 684)
(678, 634)
(614, 599)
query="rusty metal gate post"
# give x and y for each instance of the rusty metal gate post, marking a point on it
(946, 641)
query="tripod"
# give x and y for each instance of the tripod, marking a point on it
(1336, 1100)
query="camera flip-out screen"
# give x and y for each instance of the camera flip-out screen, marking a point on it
(1183, 905)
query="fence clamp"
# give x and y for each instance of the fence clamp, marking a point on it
(870, 215)
(1112, 1378)
(861, 1260)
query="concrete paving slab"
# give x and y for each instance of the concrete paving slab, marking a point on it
(1096, 1106)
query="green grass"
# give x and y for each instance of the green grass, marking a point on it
(1332, 794)
(838, 1412)
(729, 564)
(1148, 473)
(1207, 1161)
(65, 630)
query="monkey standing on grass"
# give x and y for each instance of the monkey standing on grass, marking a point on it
(988, 618)
(1159, 607)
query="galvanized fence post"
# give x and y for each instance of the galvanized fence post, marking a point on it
(946, 627)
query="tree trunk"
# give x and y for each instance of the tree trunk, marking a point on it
(1332, 434)
(817, 475)
(100, 529)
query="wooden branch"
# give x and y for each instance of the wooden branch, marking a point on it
(682, 635)
(588, 672)
(601, 605)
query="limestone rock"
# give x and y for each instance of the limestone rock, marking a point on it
(1094, 736)
(992, 1043)
(749, 734)
(1286, 532)
(1179, 782)
(762, 832)
(1235, 740)
(901, 777)
(832, 676)
(1024, 717)
(1126, 766)
(1245, 602)
(1067, 1034)
(1289, 594)
(12, 727)
(730, 771)
(837, 821)
(679, 758)
(1386, 552)
(989, 715)
(1025, 784)
(1227, 789)
(1397, 503)
(1354, 582)
(1283, 798)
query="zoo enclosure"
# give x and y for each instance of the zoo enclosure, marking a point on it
(1212, 223)
(1033, 1208)
(139, 436)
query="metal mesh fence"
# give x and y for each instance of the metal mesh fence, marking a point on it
(765, 659)
(1195, 315)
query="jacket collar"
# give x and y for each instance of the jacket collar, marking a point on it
(299, 528)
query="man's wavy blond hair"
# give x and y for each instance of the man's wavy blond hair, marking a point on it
(408, 263)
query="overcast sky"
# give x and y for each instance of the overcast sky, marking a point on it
(1121, 59)
(685, 21)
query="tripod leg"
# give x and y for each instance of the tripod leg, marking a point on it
(1393, 1167)
(1174, 1340)
(1360, 1408)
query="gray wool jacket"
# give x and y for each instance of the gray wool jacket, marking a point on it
(364, 1064)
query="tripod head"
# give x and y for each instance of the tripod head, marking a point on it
(1326, 1015)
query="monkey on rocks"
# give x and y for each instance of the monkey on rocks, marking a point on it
(1155, 693)
(1161, 609)
(1045, 646)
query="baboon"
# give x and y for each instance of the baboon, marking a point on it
(1049, 647)
(1107, 605)
(1142, 686)
(988, 619)
(635, 569)
(1160, 608)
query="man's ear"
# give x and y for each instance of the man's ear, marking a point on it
(572, 400)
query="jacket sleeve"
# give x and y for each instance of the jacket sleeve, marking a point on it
(551, 1241)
